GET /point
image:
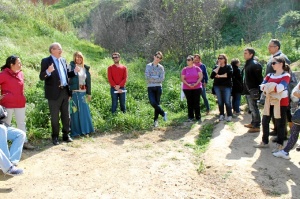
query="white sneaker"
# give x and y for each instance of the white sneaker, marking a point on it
(282, 154)
(229, 118)
(155, 123)
(165, 116)
(221, 118)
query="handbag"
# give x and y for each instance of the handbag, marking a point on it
(3, 112)
(254, 93)
(296, 117)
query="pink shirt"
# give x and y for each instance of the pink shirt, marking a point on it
(191, 76)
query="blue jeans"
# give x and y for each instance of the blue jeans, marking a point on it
(255, 121)
(154, 94)
(224, 97)
(17, 137)
(114, 100)
(236, 102)
(203, 95)
(5, 164)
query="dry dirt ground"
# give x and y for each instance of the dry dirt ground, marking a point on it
(157, 164)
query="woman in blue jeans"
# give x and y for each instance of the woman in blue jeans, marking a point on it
(222, 74)
(17, 137)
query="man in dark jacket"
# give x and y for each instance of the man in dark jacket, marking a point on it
(56, 77)
(253, 78)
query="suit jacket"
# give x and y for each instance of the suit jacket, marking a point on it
(52, 82)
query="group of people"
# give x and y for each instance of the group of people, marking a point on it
(230, 83)
(68, 88)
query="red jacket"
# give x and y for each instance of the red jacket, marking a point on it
(12, 87)
(117, 75)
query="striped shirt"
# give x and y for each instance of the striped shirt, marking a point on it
(282, 82)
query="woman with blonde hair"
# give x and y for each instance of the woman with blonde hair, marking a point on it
(80, 85)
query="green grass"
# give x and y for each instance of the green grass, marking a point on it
(27, 31)
(203, 138)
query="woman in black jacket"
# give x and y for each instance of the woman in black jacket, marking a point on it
(222, 75)
(237, 86)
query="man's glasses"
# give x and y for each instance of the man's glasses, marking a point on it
(220, 58)
(115, 57)
(158, 57)
(189, 60)
(273, 63)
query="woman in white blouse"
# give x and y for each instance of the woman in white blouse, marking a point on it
(80, 85)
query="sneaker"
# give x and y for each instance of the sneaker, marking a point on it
(155, 123)
(261, 145)
(248, 125)
(207, 112)
(282, 154)
(229, 118)
(165, 116)
(199, 121)
(28, 146)
(221, 118)
(278, 148)
(14, 171)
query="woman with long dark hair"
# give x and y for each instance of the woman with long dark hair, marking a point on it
(12, 93)
(222, 75)
(191, 77)
(275, 88)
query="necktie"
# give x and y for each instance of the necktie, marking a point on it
(61, 73)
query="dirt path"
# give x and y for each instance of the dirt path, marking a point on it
(156, 165)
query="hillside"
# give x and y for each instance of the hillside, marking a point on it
(27, 30)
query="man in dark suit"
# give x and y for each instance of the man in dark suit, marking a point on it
(54, 73)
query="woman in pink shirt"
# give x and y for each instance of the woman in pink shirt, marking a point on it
(191, 77)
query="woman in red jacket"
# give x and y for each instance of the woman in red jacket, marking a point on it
(12, 93)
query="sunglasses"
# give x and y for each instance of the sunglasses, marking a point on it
(115, 57)
(273, 63)
(189, 60)
(220, 58)
(158, 57)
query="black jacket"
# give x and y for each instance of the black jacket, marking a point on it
(237, 80)
(252, 75)
(227, 82)
(52, 82)
(74, 81)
